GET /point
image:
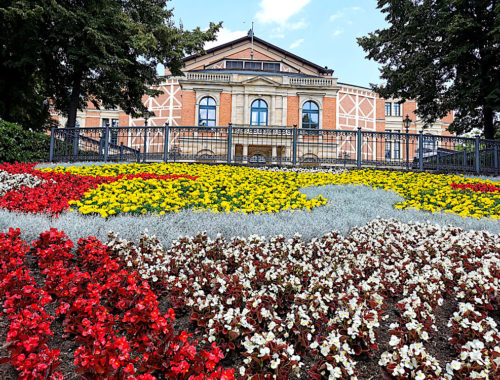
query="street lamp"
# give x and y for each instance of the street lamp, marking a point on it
(407, 122)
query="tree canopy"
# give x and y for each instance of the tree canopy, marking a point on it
(445, 54)
(103, 51)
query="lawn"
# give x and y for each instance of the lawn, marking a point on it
(197, 271)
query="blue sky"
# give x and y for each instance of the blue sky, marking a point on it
(321, 31)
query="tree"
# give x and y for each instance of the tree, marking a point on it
(445, 54)
(104, 51)
(21, 95)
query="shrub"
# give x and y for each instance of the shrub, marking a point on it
(19, 144)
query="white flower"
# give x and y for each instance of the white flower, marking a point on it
(275, 363)
(420, 376)
(394, 340)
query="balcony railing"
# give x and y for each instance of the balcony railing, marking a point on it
(210, 77)
(326, 82)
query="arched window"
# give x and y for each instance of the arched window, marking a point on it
(258, 114)
(206, 113)
(310, 115)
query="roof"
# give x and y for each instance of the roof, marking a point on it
(321, 69)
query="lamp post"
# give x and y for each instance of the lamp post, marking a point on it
(407, 122)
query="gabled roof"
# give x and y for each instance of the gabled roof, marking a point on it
(321, 69)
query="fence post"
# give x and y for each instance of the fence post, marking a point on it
(294, 145)
(165, 143)
(229, 142)
(51, 151)
(476, 151)
(75, 141)
(106, 142)
(139, 155)
(407, 149)
(495, 157)
(421, 151)
(358, 149)
(464, 159)
(437, 160)
(145, 139)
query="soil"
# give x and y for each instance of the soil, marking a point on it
(366, 365)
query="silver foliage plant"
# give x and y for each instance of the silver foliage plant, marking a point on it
(348, 207)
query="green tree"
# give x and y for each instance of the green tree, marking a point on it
(102, 51)
(445, 54)
(22, 98)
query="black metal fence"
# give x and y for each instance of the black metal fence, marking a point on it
(252, 145)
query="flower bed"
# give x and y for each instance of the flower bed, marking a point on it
(111, 313)
(161, 188)
(477, 187)
(280, 304)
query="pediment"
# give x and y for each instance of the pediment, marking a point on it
(260, 81)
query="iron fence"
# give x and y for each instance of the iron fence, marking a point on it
(252, 145)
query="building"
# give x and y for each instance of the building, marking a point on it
(250, 82)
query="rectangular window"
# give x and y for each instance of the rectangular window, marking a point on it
(272, 67)
(388, 107)
(387, 149)
(397, 154)
(250, 65)
(113, 135)
(397, 109)
(234, 65)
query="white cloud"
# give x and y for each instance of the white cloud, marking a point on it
(296, 43)
(337, 32)
(225, 35)
(279, 11)
(337, 15)
(342, 13)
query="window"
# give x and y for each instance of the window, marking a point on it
(310, 115)
(388, 107)
(113, 133)
(388, 149)
(251, 65)
(258, 115)
(234, 65)
(272, 67)
(397, 150)
(206, 113)
(397, 109)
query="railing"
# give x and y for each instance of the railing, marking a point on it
(276, 146)
(312, 81)
(211, 77)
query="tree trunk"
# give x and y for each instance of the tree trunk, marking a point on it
(489, 129)
(74, 101)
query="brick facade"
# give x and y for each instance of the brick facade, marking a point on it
(342, 106)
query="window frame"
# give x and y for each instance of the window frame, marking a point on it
(308, 125)
(397, 109)
(207, 107)
(388, 109)
(259, 111)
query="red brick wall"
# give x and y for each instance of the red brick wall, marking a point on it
(123, 119)
(188, 108)
(329, 109)
(292, 110)
(225, 109)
